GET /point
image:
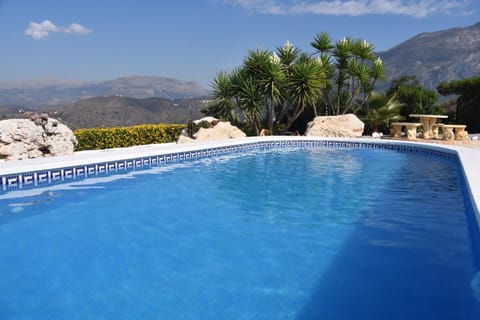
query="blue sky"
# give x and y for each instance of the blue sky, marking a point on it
(195, 39)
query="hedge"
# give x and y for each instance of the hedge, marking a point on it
(119, 137)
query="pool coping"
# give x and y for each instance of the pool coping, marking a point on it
(469, 157)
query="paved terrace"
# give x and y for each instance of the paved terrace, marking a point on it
(468, 153)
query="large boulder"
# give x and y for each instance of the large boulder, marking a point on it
(36, 137)
(209, 128)
(342, 126)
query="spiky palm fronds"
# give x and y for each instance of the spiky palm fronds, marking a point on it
(305, 83)
(222, 105)
(383, 111)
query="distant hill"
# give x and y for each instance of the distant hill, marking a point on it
(123, 111)
(50, 92)
(435, 57)
(12, 111)
(432, 57)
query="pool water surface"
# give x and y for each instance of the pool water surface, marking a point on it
(281, 234)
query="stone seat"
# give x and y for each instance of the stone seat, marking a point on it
(410, 126)
(435, 128)
(460, 133)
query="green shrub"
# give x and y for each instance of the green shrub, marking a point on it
(193, 128)
(119, 137)
(205, 124)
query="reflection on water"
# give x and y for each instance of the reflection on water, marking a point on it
(475, 285)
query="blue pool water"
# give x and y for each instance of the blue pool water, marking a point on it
(282, 234)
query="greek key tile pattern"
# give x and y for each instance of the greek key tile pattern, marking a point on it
(42, 178)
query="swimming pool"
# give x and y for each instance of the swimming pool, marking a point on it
(330, 233)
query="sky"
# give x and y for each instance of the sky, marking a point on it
(193, 40)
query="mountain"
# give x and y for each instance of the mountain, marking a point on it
(446, 55)
(50, 92)
(124, 111)
(9, 111)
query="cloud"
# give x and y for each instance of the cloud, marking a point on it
(415, 8)
(259, 6)
(39, 31)
(77, 28)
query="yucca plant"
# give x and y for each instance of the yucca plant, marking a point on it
(306, 83)
(353, 72)
(249, 99)
(222, 105)
(272, 89)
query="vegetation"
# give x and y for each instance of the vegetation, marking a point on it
(382, 111)
(414, 97)
(353, 72)
(119, 137)
(193, 128)
(271, 90)
(116, 111)
(468, 108)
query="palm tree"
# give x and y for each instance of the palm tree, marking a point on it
(222, 105)
(248, 98)
(306, 83)
(266, 70)
(322, 43)
(383, 110)
(272, 89)
(352, 71)
(272, 82)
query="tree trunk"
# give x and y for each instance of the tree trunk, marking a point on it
(270, 116)
(294, 117)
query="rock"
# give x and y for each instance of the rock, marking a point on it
(209, 128)
(343, 126)
(36, 137)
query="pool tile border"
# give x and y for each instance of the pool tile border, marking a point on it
(32, 179)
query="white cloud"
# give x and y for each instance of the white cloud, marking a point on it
(415, 8)
(260, 6)
(39, 31)
(77, 28)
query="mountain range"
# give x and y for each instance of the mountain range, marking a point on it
(43, 93)
(116, 111)
(452, 54)
(431, 57)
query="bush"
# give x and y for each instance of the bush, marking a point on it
(193, 128)
(119, 137)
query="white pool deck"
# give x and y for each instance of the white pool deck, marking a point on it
(469, 157)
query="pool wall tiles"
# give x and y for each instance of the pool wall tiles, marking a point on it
(58, 175)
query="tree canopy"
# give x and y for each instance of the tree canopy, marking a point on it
(271, 89)
(414, 97)
(468, 101)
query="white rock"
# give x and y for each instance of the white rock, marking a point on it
(344, 126)
(23, 139)
(219, 130)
